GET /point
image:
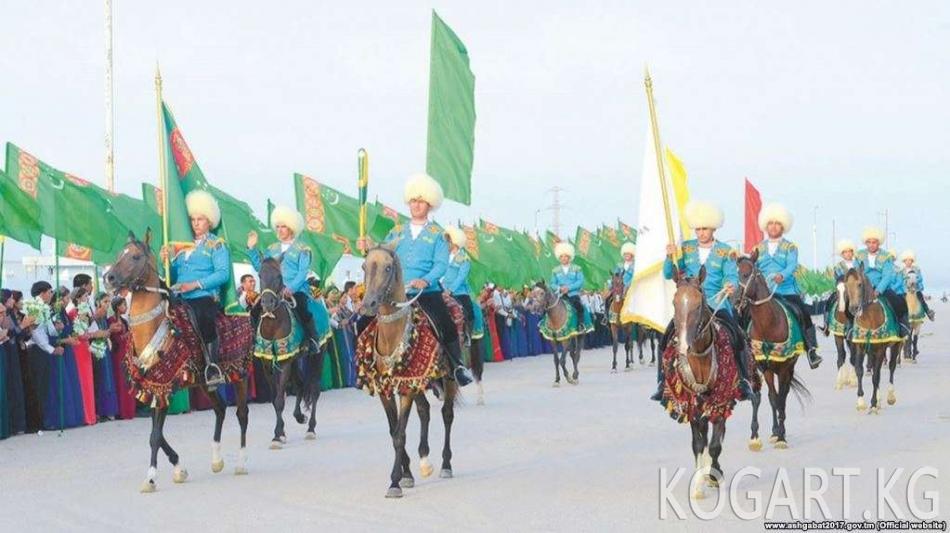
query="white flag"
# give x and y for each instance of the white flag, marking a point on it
(649, 300)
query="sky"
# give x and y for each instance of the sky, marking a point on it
(840, 105)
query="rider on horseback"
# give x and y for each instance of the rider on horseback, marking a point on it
(722, 278)
(199, 271)
(778, 261)
(424, 255)
(880, 271)
(846, 251)
(627, 252)
(567, 280)
(295, 259)
(911, 269)
(455, 282)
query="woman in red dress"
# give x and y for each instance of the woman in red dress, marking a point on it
(80, 313)
(119, 329)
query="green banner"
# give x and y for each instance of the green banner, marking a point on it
(451, 132)
(19, 214)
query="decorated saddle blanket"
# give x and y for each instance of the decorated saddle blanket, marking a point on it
(916, 311)
(837, 327)
(777, 352)
(409, 368)
(717, 398)
(180, 356)
(278, 350)
(570, 327)
(887, 332)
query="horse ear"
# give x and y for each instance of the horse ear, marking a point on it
(754, 256)
(148, 236)
(702, 275)
(391, 246)
(131, 236)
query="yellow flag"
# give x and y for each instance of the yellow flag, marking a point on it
(679, 178)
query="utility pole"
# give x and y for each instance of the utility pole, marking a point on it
(110, 104)
(814, 239)
(556, 208)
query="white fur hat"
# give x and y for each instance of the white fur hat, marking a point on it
(774, 212)
(844, 244)
(201, 203)
(701, 214)
(908, 254)
(564, 248)
(872, 233)
(628, 248)
(283, 215)
(423, 187)
(456, 236)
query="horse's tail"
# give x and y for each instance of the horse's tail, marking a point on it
(305, 374)
(802, 394)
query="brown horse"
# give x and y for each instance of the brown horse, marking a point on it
(386, 299)
(554, 308)
(135, 270)
(768, 324)
(916, 313)
(869, 314)
(615, 297)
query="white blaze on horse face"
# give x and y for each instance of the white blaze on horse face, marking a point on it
(841, 293)
(683, 347)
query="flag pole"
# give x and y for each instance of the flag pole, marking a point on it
(162, 171)
(362, 162)
(657, 147)
(3, 249)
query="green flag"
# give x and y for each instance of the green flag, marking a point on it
(19, 214)
(330, 213)
(451, 136)
(326, 251)
(71, 209)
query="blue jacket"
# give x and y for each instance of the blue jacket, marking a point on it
(627, 274)
(784, 262)
(573, 279)
(209, 263)
(294, 266)
(902, 276)
(426, 257)
(841, 268)
(881, 275)
(720, 269)
(456, 275)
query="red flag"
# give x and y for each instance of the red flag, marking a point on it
(753, 204)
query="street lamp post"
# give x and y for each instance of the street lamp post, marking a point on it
(814, 239)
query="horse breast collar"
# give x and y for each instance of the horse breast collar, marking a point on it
(682, 364)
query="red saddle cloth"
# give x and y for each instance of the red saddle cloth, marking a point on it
(181, 357)
(717, 402)
(408, 371)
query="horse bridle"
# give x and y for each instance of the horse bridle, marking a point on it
(268, 311)
(403, 308)
(701, 328)
(743, 295)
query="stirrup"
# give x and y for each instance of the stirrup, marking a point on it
(813, 359)
(462, 376)
(213, 382)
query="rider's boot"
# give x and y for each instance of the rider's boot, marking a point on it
(745, 384)
(460, 373)
(811, 344)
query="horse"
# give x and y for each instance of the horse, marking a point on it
(838, 324)
(563, 335)
(701, 378)
(167, 354)
(643, 334)
(772, 344)
(615, 297)
(398, 357)
(870, 316)
(916, 315)
(279, 342)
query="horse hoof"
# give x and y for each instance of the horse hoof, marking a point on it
(310, 436)
(861, 405)
(712, 482)
(394, 492)
(556, 384)
(407, 483)
(446, 473)
(283, 439)
(148, 487)
(613, 370)
(179, 475)
(780, 445)
(276, 445)
(874, 410)
(891, 398)
(300, 418)
(425, 467)
(773, 439)
(755, 445)
(629, 369)
(240, 470)
(217, 466)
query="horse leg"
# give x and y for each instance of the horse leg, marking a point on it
(448, 416)
(769, 376)
(616, 341)
(477, 365)
(715, 449)
(859, 353)
(628, 346)
(218, 405)
(754, 443)
(575, 358)
(877, 359)
(394, 418)
(557, 365)
(242, 411)
(280, 397)
(698, 428)
(423, 408)
(842, 377)
(155, 441)
(891, 367)
(784, 386)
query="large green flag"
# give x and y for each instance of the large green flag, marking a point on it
(333, 214)
(451, 137)
(19, 214)
(70, 208)
(489, 256)
(627, 232)
(136, 216)
(521, 265)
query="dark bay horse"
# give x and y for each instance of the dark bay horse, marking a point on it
(279, 344)
(566, 340)
(387, 370)
(769, 325)
(869, 315)
(615, 297)
(151, 333)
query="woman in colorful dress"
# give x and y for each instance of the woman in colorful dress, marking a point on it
(119, 336)
(15, 324)
(107, 405)
(78, 313)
